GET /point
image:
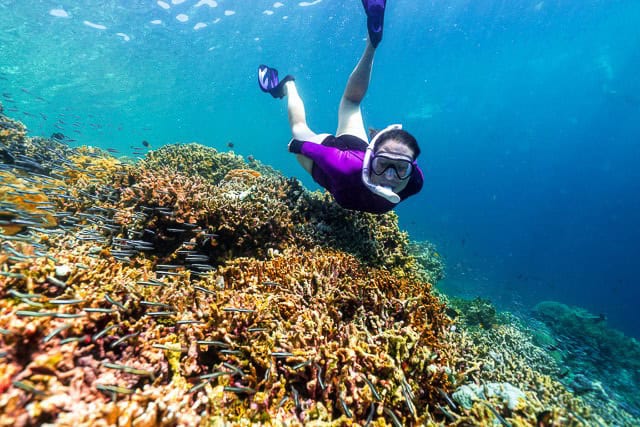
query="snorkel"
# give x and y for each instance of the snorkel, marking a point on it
(380, 190)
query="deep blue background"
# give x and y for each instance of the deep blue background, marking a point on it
(528, 114)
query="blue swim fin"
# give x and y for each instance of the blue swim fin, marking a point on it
(269, 82)
(375, 19)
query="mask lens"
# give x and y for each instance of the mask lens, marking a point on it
(401, 167)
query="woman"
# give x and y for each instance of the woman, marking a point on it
(370, 177)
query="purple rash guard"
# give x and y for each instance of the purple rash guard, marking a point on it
(337, 166)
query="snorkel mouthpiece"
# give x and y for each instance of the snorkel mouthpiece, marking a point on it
(380, 190)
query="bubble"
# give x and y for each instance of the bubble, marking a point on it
(96, 26)
(210, 3)
(124, 36)
(59, 13)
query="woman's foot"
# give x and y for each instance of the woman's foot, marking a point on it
(375, 19)
(269, 82)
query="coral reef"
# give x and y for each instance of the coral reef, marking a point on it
(429, 260)
(600, 363)
(194, 288)
(194, 159)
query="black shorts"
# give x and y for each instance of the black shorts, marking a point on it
(346, 142)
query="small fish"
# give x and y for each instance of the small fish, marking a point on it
(85, 338)
(114, 389)
(230, 144)
(233, 368)
(446, 413)
(155, 304)
(374, 392)
(128, 369)
(345, 408)
(201, 289)
(176, 230)
(102, 333)
(21, 295)
(123, 339)
(25, 313)
(497, 414)
(239, 390)
(114, 302)
(169, 273)
(56, 282)
(65, 301)
(238, 310)
(281, 354)
(145, 143)
(446, 397)
(302, 365)
(372, 411)
(161, 313)
(169, 266)
(213, 343)
(55, 332)
(151, 283)
(189, 322)
(296, 397)
(28, 388)
(319, 375)
(282, 401)
(270, 283)
(99, 310)
(213, 375)
(409, 401)
(394, 418)
(12, 275)
(197, 387)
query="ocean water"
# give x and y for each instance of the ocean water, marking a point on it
(527, 113)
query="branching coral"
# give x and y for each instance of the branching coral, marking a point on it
(194, 288)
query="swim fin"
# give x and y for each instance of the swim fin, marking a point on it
(269, 82)
(375, 19)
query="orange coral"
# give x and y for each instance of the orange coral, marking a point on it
(243, 175)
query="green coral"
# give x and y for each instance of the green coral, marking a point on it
(198, 160)
(476, 312)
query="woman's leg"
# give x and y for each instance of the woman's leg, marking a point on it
(298, 123)
(349, 114)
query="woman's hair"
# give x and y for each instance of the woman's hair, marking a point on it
(403, 137)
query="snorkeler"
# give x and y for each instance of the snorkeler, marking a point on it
(365, 176)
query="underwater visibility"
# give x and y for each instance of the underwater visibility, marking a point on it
(221, 213)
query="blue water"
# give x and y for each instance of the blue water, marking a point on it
(527, 112)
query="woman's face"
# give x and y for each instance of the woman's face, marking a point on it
(393, 160)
